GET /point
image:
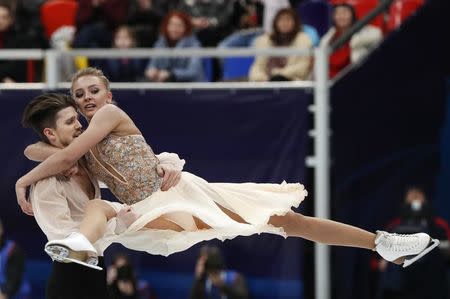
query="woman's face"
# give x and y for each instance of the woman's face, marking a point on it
(123, 39)
(285, 23)
(5, 19)
(91, 94)
(342, 17)
(176, 28)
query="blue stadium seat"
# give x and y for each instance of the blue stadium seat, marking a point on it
(236, 68)
(208, 68)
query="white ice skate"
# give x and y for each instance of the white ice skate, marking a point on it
(66, 250)
(411, 247)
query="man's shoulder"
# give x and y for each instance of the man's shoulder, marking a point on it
(52, 184)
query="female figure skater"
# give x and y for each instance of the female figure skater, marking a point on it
(194, 210)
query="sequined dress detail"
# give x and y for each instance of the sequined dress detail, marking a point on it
(127, 165)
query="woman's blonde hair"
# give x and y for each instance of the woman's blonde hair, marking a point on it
(90, 71)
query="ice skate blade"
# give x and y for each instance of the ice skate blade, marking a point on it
(408, 262)
(63, 254)
(57, 253)
(84, 264)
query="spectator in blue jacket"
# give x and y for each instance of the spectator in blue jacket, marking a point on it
(12, 264)
(176, 32)
(213, 280)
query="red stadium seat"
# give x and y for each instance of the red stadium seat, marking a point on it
(57, 13)
(400, 10)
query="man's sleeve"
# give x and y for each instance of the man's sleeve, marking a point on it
(51, 209)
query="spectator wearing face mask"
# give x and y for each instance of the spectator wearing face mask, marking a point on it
(416, 214)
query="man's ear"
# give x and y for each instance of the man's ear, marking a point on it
(110, 98)
(49, 133)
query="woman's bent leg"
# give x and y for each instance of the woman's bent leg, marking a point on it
(95, 219)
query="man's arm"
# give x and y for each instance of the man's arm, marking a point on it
(39, 151)
(51, 209)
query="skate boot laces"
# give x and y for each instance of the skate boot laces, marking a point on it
(399, 243)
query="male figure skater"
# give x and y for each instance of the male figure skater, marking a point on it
(58, 202)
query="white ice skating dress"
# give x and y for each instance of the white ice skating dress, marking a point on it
(127, 165)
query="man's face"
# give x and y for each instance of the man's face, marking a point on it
(66, 129)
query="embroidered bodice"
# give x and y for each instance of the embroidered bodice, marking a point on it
(127, 165)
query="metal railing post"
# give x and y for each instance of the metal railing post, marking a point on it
(51, 68)
(321, 173)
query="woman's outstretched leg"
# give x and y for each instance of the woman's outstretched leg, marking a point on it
(324, 231)
(400, 249)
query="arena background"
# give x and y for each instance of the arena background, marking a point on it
(391, 128)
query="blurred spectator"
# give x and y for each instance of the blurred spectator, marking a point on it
(213, 280)
(176, 32)
(249, 13)
(145, 16)
(123, 283)
(416, 215)
(12, 263)
(213, 20)
(97, 20)
(28, 21)
(360, 44)
(123, 69)
(287, 32)
(11, 70)
(272, 7)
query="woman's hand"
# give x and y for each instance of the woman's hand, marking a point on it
(163, 75)
(171, 176)
(152, 74)
(21, 194)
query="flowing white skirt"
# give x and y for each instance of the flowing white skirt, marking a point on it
(193, 196)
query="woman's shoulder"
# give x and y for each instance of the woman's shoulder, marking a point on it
(262, 40)
(302, 39)
(109, 108)
(110, 111)
(189, 41)
(372, 29)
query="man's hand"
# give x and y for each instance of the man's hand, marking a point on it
(171, 176)
(21, 194)
(2, 296)
(67, 174)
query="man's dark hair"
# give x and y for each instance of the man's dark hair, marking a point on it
(40, 112)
